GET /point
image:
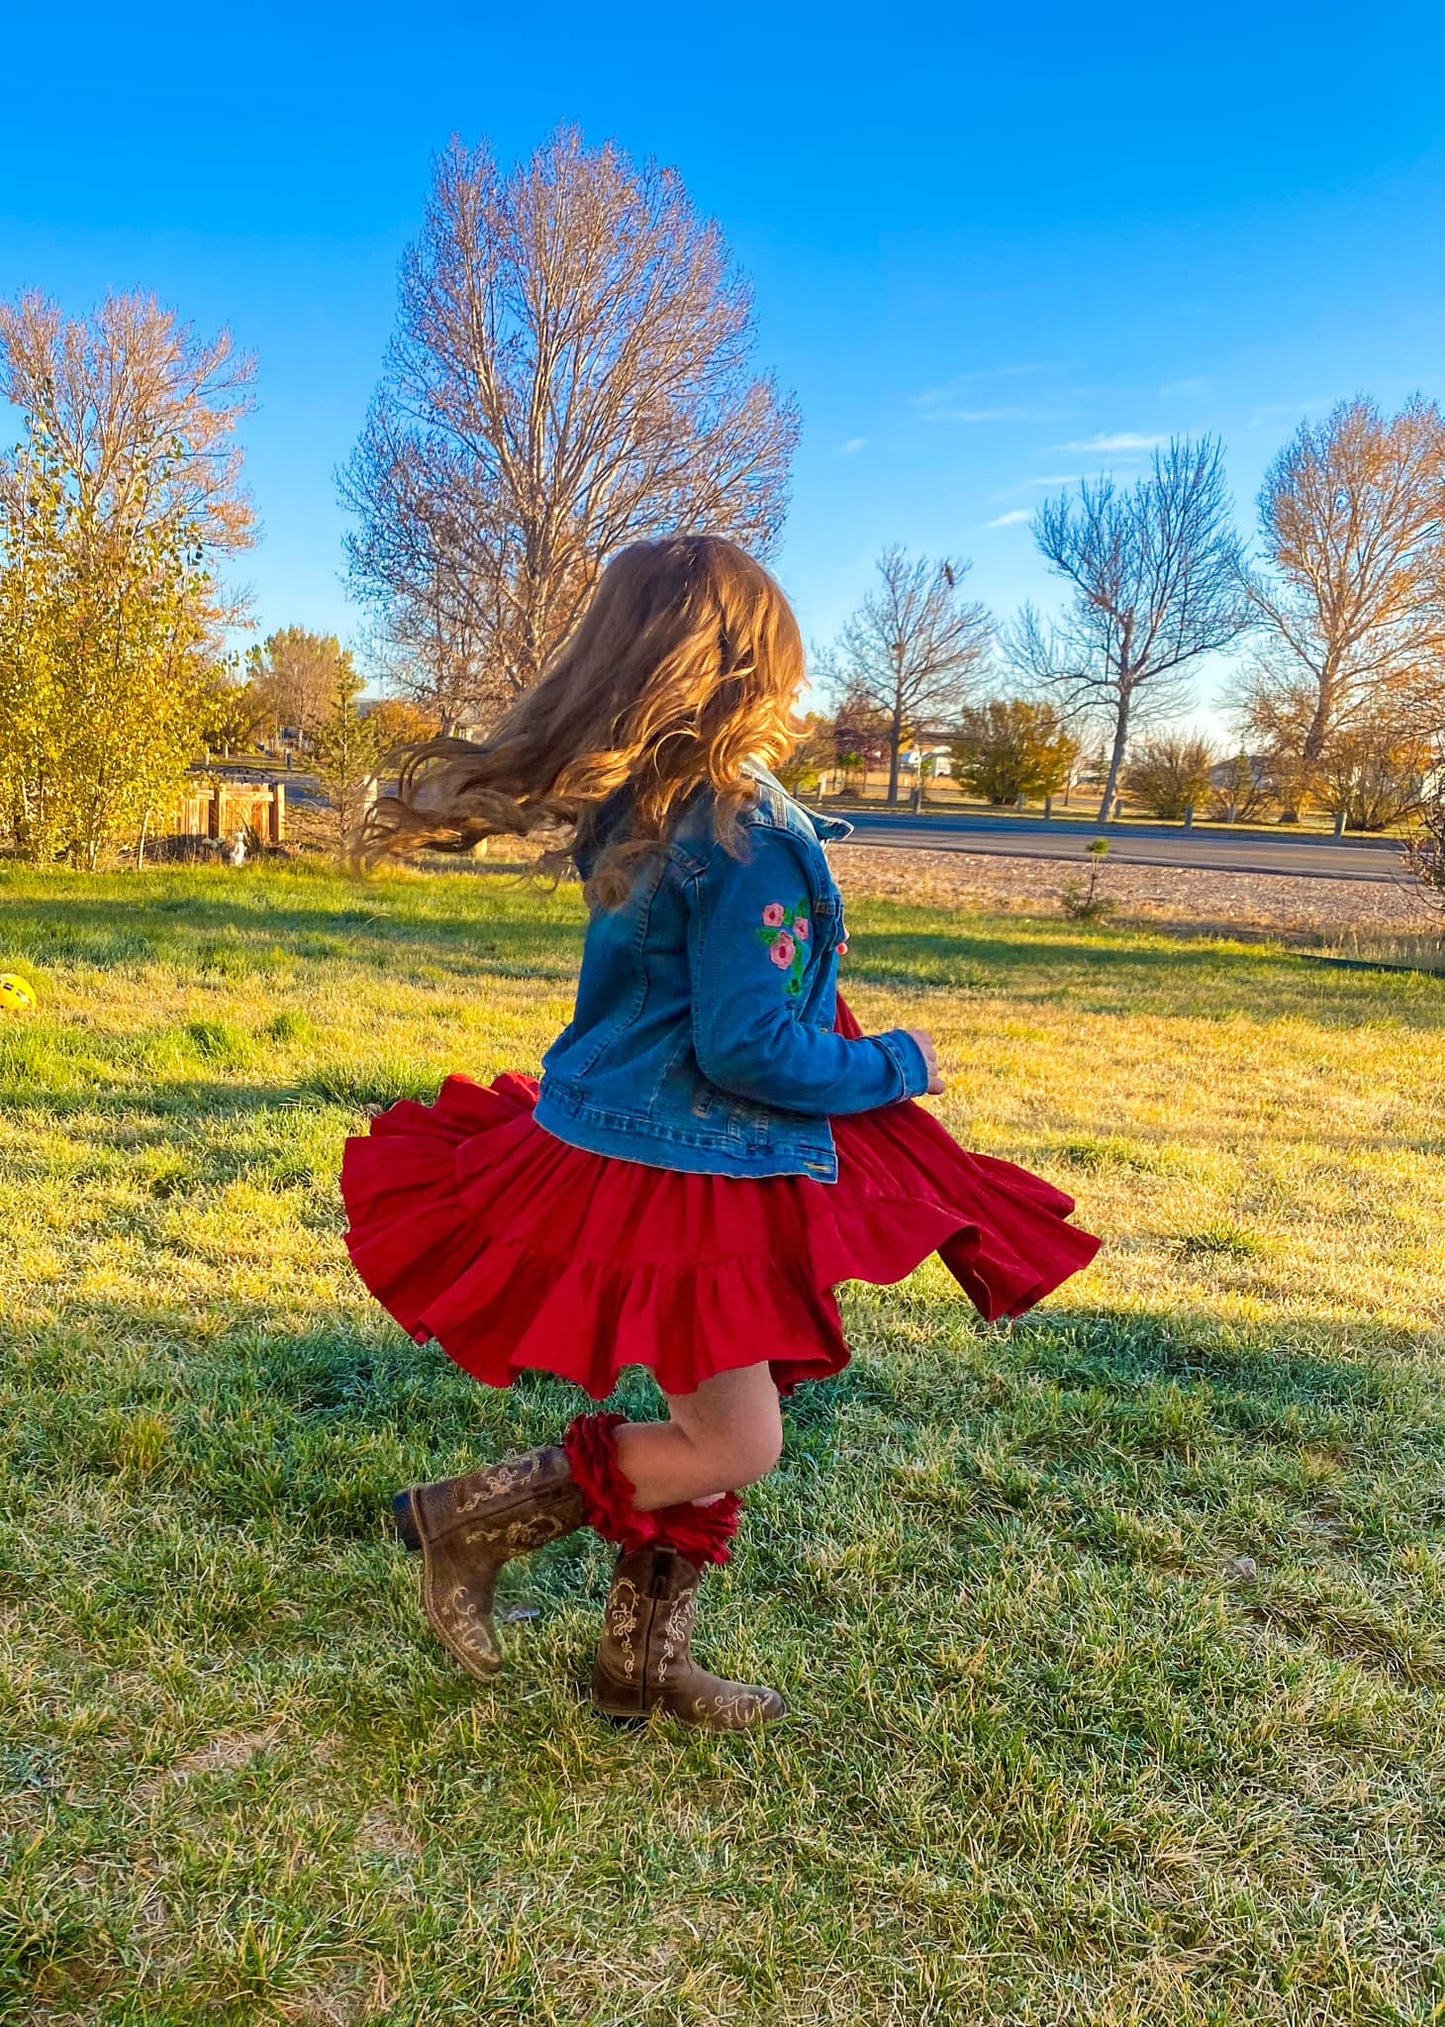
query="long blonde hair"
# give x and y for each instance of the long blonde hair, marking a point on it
(686, 665)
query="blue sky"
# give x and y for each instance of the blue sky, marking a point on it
(993, 249)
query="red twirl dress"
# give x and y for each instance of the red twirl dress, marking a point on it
(472, 1225)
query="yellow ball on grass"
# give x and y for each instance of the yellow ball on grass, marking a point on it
(17, 995)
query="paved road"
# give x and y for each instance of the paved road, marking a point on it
(1134, 844)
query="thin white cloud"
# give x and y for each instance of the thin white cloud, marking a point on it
(1275, 409)
(993, 414)
(1012, 492)
(1000, 372)
(1120, 440)
(951, 389)
(1174, 387)
(1010, 520)
(952, 400)
(854, 443)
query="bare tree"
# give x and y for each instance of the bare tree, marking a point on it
(1156, 576)
(1352, 514)
(910, 652)
(571, 370)
(137, 412)
(430, 651)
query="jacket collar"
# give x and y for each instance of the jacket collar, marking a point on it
(827, 829)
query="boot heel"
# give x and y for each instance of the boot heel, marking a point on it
(645, 1657)
(468, 1527)
(620, 1705)
(406, 1527)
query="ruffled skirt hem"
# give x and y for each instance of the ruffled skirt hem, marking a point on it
(515, 1251)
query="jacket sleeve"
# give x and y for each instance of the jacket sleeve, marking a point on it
(750, 952)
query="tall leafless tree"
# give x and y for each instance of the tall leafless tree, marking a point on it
(571, 370)
(1352, 515)
(911, 652)
(1156, 580)
(137, 412)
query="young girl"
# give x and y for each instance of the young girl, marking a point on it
(714, 1145)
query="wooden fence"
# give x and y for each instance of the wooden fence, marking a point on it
(218, 809)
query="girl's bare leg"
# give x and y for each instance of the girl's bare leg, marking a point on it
(726, 1435)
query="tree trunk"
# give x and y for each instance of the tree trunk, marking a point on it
(1311, 751)
(895, 747)
(1314, 744)
(1116, 760)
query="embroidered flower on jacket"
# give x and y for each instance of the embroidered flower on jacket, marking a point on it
(787, 933)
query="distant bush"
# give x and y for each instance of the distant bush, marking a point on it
(1375, 775)
(1170, 774)
(1427, 852)
(1241, 788)
(1007, 749)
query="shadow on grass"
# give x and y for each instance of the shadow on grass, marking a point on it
(149, 1117)
(318, 917)
(1097, 1440)
(1116, 971)
(249, 925)
(1092, 1346)
(285, 1419)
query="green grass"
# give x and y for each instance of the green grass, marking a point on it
(1115, 1639)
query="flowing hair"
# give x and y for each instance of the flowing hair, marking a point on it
(686, 665)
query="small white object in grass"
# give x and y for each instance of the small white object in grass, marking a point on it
(1245, 1568)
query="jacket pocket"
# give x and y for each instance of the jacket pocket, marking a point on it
(685, 1103)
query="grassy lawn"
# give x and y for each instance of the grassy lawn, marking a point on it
(1115, 1639)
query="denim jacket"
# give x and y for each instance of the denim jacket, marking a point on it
(703, 1032)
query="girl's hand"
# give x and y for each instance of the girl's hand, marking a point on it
(930, 1057)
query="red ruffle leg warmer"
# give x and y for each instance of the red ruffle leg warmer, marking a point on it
(702, 1533)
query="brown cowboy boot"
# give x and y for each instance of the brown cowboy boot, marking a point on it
(466, 1528)
(645, 1663)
